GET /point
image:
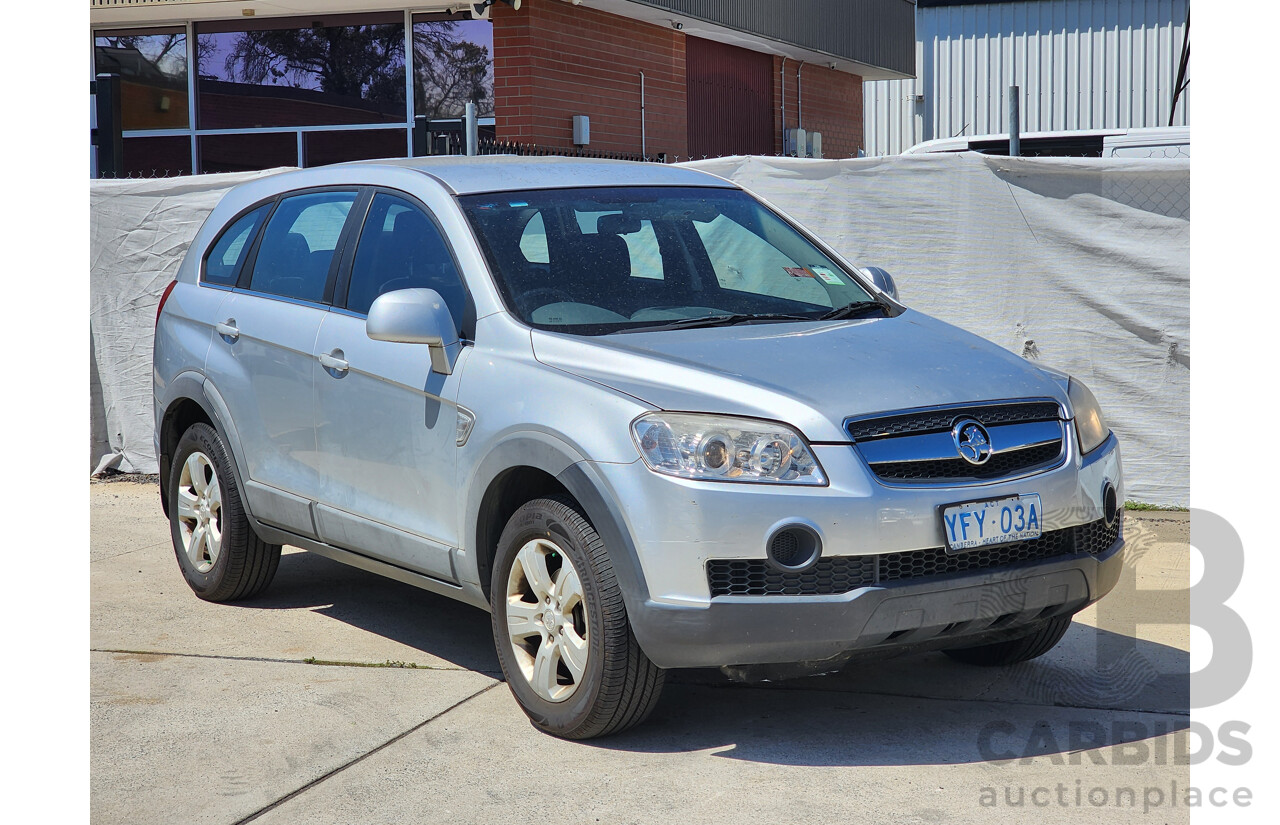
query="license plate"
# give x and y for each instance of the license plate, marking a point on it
(981, 523)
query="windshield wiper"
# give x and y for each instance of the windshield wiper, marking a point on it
(855, 310)
(718, 321)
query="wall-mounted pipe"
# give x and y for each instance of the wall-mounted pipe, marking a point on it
(784, 104)
(644, 143)
(800, 96)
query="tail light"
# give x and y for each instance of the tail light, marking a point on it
(164, 296)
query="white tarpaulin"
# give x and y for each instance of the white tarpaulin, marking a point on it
(1078, 264)
(1082, 265)
(138, 232)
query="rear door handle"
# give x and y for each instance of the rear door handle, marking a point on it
(335, 362)
(228, 329)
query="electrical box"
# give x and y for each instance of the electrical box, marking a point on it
(581, 130)
(798, 143)
(815, 144)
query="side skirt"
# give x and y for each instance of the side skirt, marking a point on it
(275, 535)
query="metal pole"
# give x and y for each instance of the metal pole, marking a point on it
(410, 103)
(1180, 83)
(473, 130)
(1015, 121)
(109, 138)
(193, 80)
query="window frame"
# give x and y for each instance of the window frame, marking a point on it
(342, 287)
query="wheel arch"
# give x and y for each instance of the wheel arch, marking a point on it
(532, 465)
(191, 399)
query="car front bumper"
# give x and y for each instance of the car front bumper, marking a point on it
(950, 611)
(678, 526)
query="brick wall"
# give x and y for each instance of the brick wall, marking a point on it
(554, 60)
(832, 105)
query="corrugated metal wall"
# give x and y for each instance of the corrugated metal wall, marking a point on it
(730, 94)
(877, 32)
(1081, 64)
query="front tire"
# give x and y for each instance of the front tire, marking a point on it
(220, 555)
(1039, 641)
(561, 629)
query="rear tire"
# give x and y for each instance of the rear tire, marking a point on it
(1037, 642)
(561, 629)
(220, 555)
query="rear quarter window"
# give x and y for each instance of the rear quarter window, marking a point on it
(222, 264)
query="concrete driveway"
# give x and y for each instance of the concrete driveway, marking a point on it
(341, 697)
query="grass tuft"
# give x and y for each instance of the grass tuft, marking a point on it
(1142, 506)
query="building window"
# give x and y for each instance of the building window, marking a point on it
(452, 66)
(301, 72)
(152, 64)
(246, 153)
(157, 157)
(297, 91)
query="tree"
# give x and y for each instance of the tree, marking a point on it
(367, 62)
(450, 72)
(355, 61)
(163, 55)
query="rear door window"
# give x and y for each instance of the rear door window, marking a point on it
(296, 255)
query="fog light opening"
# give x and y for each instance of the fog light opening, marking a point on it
(1110, 504)
(794, 549)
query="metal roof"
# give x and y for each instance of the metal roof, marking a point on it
(874, 33)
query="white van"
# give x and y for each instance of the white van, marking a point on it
(1159, 142)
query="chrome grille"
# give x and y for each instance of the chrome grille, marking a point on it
(957, 469)
(834, 575)
(939, 420)
(915, 447)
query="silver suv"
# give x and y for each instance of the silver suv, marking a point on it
(642, 418)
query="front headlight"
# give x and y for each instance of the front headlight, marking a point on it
(719, 448)
(1091, 429)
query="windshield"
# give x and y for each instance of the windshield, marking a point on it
(597, 261)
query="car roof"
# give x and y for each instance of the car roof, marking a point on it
(504, 173)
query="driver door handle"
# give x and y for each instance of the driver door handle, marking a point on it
(228, 329)
(334, 361)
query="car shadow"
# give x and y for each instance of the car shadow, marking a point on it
(443, 627)
(792, 724)
(1095, 690)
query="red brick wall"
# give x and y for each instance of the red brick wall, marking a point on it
(554, 60)
(832, 105)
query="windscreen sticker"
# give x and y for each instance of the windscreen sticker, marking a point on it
(518, 204)
(797, 272)
(826, 275)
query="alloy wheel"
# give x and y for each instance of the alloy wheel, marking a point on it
(547, 620)
(200, 511)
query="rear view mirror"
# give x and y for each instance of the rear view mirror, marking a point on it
(883, 280)
(416, 316)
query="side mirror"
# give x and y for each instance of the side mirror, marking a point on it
(883, 280)
(416, 316)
